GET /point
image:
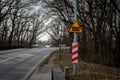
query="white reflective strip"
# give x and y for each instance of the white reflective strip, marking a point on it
(75, 49)
(76, 61)
(74, 56)
(74, 44)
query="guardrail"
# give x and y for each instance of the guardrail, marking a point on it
(10, 47)
(57, 73)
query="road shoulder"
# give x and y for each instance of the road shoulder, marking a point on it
(43, 72)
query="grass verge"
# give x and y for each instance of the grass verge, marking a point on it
(86, 71)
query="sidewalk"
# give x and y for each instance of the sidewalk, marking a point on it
(44, 72)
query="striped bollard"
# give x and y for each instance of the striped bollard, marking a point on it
(75, 52)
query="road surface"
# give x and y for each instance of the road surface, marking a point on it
(17, 65)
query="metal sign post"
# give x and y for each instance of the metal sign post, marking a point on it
(75, 28)
(75, 34)
(57, 37)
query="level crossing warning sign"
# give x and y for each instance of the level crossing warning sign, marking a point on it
(75, 27)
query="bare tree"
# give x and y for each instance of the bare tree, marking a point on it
(100, 22)
(20, 22)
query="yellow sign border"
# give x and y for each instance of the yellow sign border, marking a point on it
(75, 24)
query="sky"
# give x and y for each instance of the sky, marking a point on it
(44, 37)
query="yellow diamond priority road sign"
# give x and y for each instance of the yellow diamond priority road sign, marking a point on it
(75, 27)
(57, 36)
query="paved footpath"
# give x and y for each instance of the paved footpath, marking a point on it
(45, 71)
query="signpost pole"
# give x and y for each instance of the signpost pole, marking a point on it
(75, 34)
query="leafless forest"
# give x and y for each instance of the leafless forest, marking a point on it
(21, 23)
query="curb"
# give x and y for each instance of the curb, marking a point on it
(29, 75)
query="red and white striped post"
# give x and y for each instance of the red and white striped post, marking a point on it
(75, 52)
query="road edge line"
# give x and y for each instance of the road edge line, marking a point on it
(32, 71)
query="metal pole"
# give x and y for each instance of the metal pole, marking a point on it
(75, 34)
(60, 39)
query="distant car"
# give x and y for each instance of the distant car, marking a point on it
(47, 46)
(35, 46)
(63, 45)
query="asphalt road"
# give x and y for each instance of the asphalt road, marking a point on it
(17, 65)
